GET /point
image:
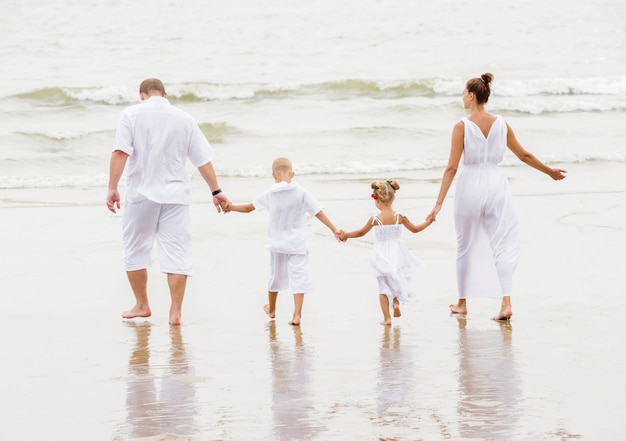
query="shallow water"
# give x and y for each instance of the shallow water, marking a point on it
(74, 370)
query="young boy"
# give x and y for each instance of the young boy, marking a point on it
(287, 204)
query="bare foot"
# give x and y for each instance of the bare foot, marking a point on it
(270, 314)
(386, 322)
(137, 311)
(175, 319)
(295, 321)
(456, 309)
(505, 314)
(396, 309)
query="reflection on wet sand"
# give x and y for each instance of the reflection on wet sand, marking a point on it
(291, 369)
(171, 409)
(489, 389)
(395, 385)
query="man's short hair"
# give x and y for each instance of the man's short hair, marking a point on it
(152, 85)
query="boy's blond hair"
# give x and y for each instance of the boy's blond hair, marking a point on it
(281, 166)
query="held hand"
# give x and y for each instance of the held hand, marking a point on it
(225, 207)
(557, 174)
(433, 214)
(341, 235)
(113, 200)
(220, 201)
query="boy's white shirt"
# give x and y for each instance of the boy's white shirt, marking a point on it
(288, 204)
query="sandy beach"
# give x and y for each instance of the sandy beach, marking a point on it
(73, 370)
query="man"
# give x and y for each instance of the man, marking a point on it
(156, 139)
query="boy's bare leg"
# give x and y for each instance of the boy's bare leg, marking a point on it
(396, 308)
(270, 308)
(177, 284)
(298, 300)
(506, 310)
(459, 308)
(138, 283)
(384, 305)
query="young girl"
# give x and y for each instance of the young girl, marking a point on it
(391, 259)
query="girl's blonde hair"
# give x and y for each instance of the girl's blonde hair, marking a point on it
(385, 191)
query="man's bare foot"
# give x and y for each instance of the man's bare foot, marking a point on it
(386, 322)
(505, 314)
(295, 321)
(137, 311)
(456, 309)
(396, 309)
(175, 319)
(270, 314)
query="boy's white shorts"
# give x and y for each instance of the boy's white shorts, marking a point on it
(290, 269)
(169, 224)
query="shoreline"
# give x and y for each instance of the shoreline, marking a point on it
(233, 374)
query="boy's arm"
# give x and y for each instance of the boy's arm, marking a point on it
(241, 208)
(324, 219)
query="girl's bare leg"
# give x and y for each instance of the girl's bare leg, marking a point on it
(384, 305)
(459, 308)
(138, 283)
(506, 310)
(270, 308)
(298, 299)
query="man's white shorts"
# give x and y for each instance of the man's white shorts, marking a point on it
(290, 269)
(169, 224)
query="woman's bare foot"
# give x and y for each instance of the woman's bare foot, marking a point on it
(459, 308)
(137, 311)
(270, 314)
(295, 321)
(505, 314)
(396, 308)
(386, 322)
(456, 309)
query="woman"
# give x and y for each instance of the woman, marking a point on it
(488, 238)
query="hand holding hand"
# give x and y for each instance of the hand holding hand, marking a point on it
(433, 214)
(224, 206)
(221, 202)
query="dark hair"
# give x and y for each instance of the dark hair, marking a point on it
(480, 87)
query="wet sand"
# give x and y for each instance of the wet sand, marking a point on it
(73, 370)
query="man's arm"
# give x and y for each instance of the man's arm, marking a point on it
(116, 168)
(208, 174)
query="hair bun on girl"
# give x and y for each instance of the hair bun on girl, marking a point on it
(487, 78)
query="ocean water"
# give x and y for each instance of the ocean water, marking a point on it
(349, 88)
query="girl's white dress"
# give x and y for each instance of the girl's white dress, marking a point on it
(392, 261)
(488, 236)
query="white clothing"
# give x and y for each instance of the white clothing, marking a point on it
(169, 224)
(488, 236)
(392, 261)
(159, 138)
(287, 204)
(290, 269)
